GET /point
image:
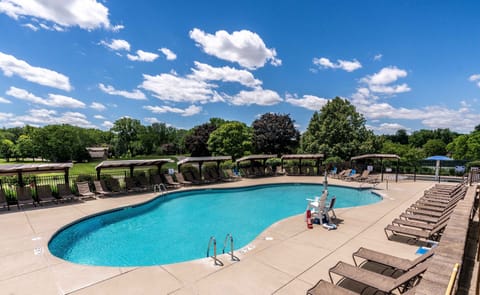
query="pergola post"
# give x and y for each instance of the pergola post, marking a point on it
(20, 179)
(66, 177)
(98, 173)
(200, 163)
(398, 165)
(381, 168)
(131, 170)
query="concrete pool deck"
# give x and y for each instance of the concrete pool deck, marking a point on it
(287, 258)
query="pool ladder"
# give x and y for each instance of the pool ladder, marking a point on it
(217, 261)
(227, 238)
(161, 188)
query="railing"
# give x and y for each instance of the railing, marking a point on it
(215, 259)
(227, 238)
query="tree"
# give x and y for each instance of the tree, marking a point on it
(400, 136)
(233, 138)
(127, 132)
(7, 148)
(275, 134)
(25, 147)
(338, 130)
(434, 147)
(466, 147)
(196, 141)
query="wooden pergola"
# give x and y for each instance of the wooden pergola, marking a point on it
(253, 158)
(381, 157)
(131, 164)
(300, 157)
(20, 169)
(201, 160)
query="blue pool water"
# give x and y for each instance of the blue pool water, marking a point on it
(177, 227)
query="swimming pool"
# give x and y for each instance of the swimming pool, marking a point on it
(177, 227)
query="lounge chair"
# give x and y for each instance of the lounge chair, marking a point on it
(100, 188)
(83, 189)
(181, 179)
(24, 196)
(378, 281)
(44, 194)
(327, 288)
(113, 185)
(131, 185)
(142, 182)
(64, 192)
(170, 182)
(3, 199)
(392, 262)
(417, 233)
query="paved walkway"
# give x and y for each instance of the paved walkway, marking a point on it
(287, 258)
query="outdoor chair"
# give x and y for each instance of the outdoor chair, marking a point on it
(24, 196)
(44, 194)
(142, 182)
(64, 192)
(100, 188)
(83, 189)
(181, 179)
(378, 281)
(3, 199)
(170, 182)
(327, 288)
(131, 186)
(416, 233)
(391, 262)
(113, 185)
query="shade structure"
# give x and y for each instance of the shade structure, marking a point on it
(381, 157)
(299, 157)
(131, 164)
(201, 160)
(19, 169)
(438, 160)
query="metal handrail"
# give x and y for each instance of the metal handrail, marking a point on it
(233, 257)
(215, 259)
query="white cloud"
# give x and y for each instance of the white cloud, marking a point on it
(98, 106)
(257, 96)
(151, 120)
(49, 117)
(206, 72)
(380, 82)
(243, 47)
(4, 100)
(107, 124)
(346, 65)
(13, 66)
(378, 57)
(6, 116)
(62, 101)
(31, 27)
(168, 53)
(86, 14)
(54, 100)
(143, 56)
(475, 78)
(387, 128)
(309, 102)
(117, 44)
(99, 117)
(190, 111)
(173, 88)
(135, 94)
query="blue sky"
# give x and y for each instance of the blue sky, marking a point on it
(403, 64)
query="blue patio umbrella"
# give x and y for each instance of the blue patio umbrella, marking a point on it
(438, 159)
